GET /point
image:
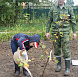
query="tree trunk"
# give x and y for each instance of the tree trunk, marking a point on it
(16, 11)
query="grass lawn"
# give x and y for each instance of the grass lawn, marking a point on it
(34, 27)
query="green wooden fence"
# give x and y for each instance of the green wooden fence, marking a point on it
(39, 11)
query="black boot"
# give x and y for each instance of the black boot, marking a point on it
(25, 72)
(67, 67)
(17, 70)
(58, 64)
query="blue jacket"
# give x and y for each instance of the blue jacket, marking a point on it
(22, 40)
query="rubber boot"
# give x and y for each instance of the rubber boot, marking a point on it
(17, 70)
(25, 72)
(67, 68)
(58, 64)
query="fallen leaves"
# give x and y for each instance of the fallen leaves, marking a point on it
(32, 58)
(41, 55)
(46, 52)
(43, 46)
(29, 60)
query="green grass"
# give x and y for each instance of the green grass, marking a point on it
(23, 26)
(37, 26)
(33, 27)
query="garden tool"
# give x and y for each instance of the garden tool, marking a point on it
(21, 59)
(67, 67)
(59, 66)
(24, 53)
(18, 55)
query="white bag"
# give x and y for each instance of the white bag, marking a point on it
(74, 62)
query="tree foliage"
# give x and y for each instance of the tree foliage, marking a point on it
(7, 11)
(26, 0)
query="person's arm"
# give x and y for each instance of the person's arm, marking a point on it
(73, 20)
(73, 23)
(50, 19)
(21, 42)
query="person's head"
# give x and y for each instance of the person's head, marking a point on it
(61, 2)
(34, 40)
(34, 44)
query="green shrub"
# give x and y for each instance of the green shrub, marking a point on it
(7, 12)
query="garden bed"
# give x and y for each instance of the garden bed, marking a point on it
(36, 65)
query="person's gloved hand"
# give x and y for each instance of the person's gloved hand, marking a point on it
(24, 53)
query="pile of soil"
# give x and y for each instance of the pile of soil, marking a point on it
(36, 65)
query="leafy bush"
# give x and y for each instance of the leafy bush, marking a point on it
(7, 12)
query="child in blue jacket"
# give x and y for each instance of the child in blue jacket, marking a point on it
(25, 42)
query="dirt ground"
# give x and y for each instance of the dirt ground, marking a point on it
(36, 65)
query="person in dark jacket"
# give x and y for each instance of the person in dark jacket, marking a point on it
(25, 42)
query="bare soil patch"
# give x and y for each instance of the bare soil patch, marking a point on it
(36, 65)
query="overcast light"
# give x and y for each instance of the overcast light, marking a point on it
(75, 1)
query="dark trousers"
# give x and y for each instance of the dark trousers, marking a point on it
(14, 49)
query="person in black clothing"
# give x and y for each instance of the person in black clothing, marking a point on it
(25, 42)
